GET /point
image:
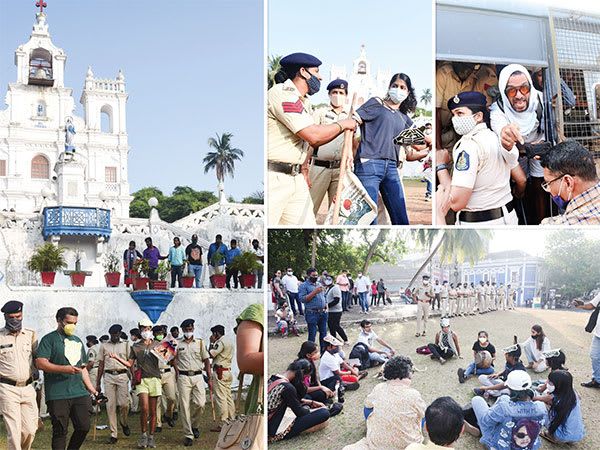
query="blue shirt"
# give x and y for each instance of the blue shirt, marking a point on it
(176, 256)
(232, 253)
(503, 421)
(212, 249)
(379, 128)
(317, 302)
(572, 430)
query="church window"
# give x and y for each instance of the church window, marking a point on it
(110, 174)
(40, 167)
(2, 167)
(106, 122)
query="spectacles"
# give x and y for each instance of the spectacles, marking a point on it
(546, 185)
(512, 91)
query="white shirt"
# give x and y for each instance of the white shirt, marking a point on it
(329, 364)
(483, 165)
(362, 284)
(258, 252)
(595, 302)
(538, 354)
(290, 282)
(367, 338)
(437, 289)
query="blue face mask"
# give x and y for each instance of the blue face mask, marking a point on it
(314, 84)
(559, 201)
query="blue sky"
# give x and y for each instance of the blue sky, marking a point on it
(396, 34)
(192, 69)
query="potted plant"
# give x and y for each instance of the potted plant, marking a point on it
(112, 264)
(218, 279)
(164, 267)
(46, 260)
(246, 263)
(77, 276)
(140, 275)
(187, 280)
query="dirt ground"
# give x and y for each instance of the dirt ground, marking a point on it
(419, 210)
(565, 329)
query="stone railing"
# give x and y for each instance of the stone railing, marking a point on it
(108, 85)
(239, 210)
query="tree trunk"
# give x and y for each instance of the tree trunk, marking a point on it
(427, 261)
(313, 254)
(378, 240)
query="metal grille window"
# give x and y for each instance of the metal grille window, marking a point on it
(40, 167)
(110, 174)
(576, 41)
(2, 168)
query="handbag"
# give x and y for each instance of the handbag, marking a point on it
(245, 432)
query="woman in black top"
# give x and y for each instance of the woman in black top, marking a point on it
(287, 391)
(481, 344)
(314, 389)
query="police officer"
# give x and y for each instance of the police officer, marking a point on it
(511, 297)
(487, 292)
(324, 171)
(191, 358)
(494, 296)
(166, 404)
(467, 301)
(221, 353)
(480, 290)
(446, 311)
(423, 295)
(18, 405)
(480, 189)
(453, 300)
(472, 298)
(502, 296)
(116, 381)
(291, 130)
(93, 346)
(461, 299)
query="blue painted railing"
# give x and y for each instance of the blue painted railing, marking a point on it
(76, 221)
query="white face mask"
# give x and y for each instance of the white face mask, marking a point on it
(425, 282)
(290, 273)
(337, 100)
(147, 335)
(397, 95)
(463, 124)
(483, 340)
(188, 334)
(550, 388)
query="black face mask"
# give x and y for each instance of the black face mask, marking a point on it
(313, 279)
(14, 324)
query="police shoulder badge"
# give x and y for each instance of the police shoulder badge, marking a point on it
(462, 162)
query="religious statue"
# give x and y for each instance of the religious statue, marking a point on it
(69, 135)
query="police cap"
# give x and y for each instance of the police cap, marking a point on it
(468, 99)
(114, 329)
(187, 323)
(218, 329)
(338, 83)
(292, 63)
(12, 307)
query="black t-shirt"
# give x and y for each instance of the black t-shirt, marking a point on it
(477, 347)
(188, 252)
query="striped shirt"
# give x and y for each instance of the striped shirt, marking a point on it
(583, 209)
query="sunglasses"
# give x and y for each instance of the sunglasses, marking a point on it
(521, 435)
(546, 184)
(512, 91)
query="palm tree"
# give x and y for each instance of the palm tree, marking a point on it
(426, 96)
(453, 246)
(274, 67)
(222, 160)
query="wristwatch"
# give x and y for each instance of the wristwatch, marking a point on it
(441, 167)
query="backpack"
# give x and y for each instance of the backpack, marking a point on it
(424, 350)
(361, 352)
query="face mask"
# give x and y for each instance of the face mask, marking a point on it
(114, 340)
(147, 335)
(313, 279)
(69, 329)
(550, 388)
(159, 337)
(314, 84)
(334, 351)
(359, 275)
(397, 95)
(290, 273)
(188, 334)
(482, 340)
(337, 100)
(463, 124)
(558, 200)
(425, 283)
(14, 324)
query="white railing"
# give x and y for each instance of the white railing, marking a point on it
(108, 85)
(240, 210)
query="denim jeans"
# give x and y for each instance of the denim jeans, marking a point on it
(259, 278)
(473, 370)
(176, 273)
(381, 175)
(595, 355)
(346, 297)
(294, 299)
(363, 300)
(196, 271)
(316, 321)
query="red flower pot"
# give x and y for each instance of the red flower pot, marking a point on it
(218, 281)
(77, 279)
(140, 283)
(187, 282)
(247, 280)
(160, 285)
(112, 279)
(48, 278)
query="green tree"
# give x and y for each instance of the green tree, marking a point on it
(274, 67)
(571, 262)
(222, 159)
(426, 97)
(183, 201)
(255, 198)
(139, 205)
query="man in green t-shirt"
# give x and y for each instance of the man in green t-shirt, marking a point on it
(62, 357)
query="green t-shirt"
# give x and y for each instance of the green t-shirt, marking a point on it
(253, 313)
(63, 351)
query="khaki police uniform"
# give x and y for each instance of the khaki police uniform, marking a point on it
(166, 402)
(468, 304)
(494, 291)
(190, 359)
(287, 114)
(423, 295)
(92, 354)
(444, 296)
(222, 354)
(453, 300)
(502, 297)
(480, 298)
(18, 405)
(325, 166)
(487, 296)
(511, 298)
(472, 300)
(116, 384)
(461, 307)
(482, 165)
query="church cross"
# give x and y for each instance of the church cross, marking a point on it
(41, 4)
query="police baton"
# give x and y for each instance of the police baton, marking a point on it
(346, 151)
(212, 401)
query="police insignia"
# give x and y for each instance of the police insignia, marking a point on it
(462, 162)
(456, 99)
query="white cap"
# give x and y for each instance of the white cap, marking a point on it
(518, 380)
(445, 322)
(145, 323)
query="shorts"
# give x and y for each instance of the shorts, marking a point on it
(150, 386)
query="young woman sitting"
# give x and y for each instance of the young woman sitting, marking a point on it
(564, 422)
(314, 389)
(534, 348)
(483, 364)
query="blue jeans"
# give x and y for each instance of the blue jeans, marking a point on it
(472, 369)
(364, 301)
(196, 270)
(381, 175)
(595, 355)
(316, 320)
(346, 297)
(293, 296)
(428, 193)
